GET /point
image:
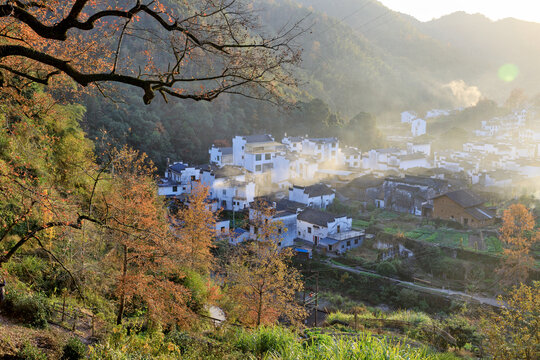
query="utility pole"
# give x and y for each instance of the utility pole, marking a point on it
(316, 296)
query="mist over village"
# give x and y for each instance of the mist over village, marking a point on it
(269, 179)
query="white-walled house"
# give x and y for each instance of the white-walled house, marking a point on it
(351, 157)
(293, 143)
(420, 147)
(222, 228)
(230, 186)
(411, 161)
(221, 156)
(325, 149)
(418, 127)
(286, 220)
(408, 116)
(168, 187)
(303, 168)
(317, 195)
(179, 179)
(255, 153)
(314, 225)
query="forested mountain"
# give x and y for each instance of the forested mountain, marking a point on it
(358, 57)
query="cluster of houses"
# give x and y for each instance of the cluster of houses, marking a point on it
(296, 179)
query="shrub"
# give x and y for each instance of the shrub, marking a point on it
(31, 308)
(178, 338)
(462, 330)
(30, 352)
(386, 268)
(265, 340)
(74, 349)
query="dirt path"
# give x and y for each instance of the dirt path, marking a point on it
(450, 293)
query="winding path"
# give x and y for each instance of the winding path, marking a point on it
(446, 292)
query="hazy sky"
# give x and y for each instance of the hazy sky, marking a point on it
(425, 10)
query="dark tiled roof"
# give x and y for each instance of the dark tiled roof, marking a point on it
(317, 217)
(178, 167)
(419, 180)
(226, 150)
(318, 190)
(464, 198)
(227, 171)
(480, 213)
(258, 138)
(364, 182)
(285, 204)
(324, 140)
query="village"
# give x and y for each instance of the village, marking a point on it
(303, 179)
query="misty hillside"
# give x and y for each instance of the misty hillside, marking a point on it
(358, 57)
(455, 47)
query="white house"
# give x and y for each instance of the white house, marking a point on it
(179, 179)
(351, 157)
(255, 153)
(325, 149)
(303, 167)
(416, 160)
(420, 147)
(382, 159)
(317, 195)
(436, 113)
(230, 186)
(418, 127)
(221, 156)
(314, 225)
(293, 143)
(286, 220)
(408, 116)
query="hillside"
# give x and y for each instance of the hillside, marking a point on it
(357, 57)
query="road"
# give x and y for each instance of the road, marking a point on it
(446, 292)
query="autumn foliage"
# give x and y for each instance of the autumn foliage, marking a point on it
(260, 278)
(518, 234)
(513, 332)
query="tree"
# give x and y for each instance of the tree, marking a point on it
(261, 279)
(145, 254)
(188, 50)
(195, 228)
(518, 234)
(513, 332)
(46, 169)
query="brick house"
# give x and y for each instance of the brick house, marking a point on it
(462, 206)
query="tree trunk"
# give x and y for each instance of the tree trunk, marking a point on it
(123, 289)
(259, 309)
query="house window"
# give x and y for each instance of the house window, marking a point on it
(316, 240)
(258, 168)
(217, 158)
(298, 233)
(222, 230)
(267, 156)
(348, 242)
(329, 247)
(338, 229)
(192, 177)
(258, 157)
(318, 147)
(242, 148)
(224, 192)
(175, 188)
(355, 241)
(309, 230)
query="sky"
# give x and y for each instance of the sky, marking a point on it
(426, 10)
